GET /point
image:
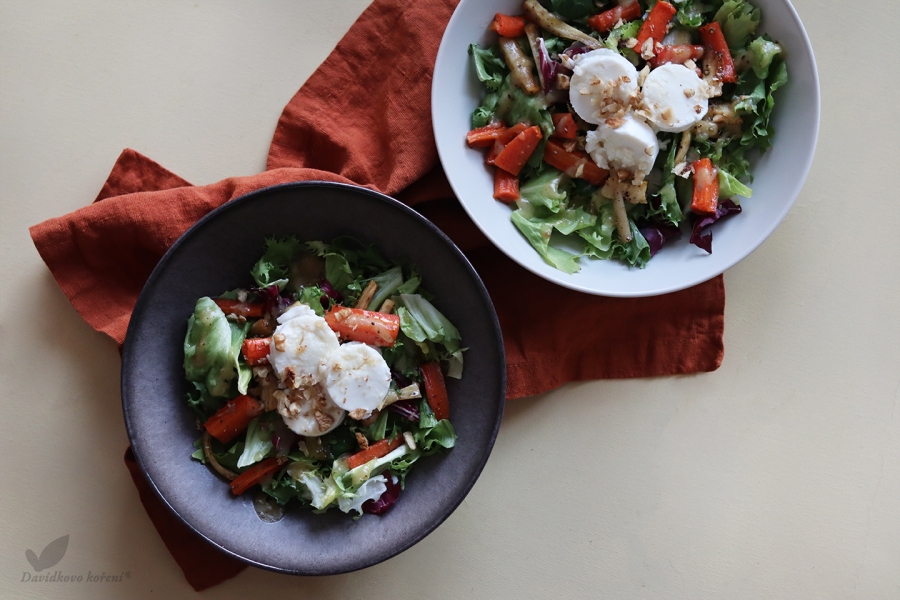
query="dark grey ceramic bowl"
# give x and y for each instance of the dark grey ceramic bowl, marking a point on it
(216, 255)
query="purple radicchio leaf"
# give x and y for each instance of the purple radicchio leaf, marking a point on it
(406, 409)
(276, 302)
(328, 291)
(549, 67)
(656, 235)
(575, 49)
(387, 498)
(725, 208)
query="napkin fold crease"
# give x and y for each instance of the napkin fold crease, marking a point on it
(364, 117)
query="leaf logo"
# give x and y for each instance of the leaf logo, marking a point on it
(51, 555)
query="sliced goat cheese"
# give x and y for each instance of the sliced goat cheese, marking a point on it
(603, 85)
(356, 378)
(674, 98)
(307, 411)
(301, 343)
(627, 143)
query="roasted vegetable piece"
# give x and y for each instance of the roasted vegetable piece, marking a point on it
(366, 326)
(483, 137)
(520, 66)
(564, 126)
(575, 164)
(502, 140)
(256, 474)
(376, 450)
(253, 310)
(677, 54)
(436, 390)
(508, 26)
(706, 188)
(232, 419)
(717, 53)
(628, 10)
(545, 19)
(655, 25)
(256, 350)
(506, 186)
(516, 153)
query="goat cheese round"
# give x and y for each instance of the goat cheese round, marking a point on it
(306, 411)
(301, 343)
(603, 85)
(674, 98)
(626, 143)
(356, 378)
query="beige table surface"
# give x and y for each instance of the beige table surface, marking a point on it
(778, 476)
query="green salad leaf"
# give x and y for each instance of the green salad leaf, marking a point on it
(490, 68)
(274, 266)
(212, 348)
(739, 20)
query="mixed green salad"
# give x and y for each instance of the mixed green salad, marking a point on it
(323, 381)
(613, 126)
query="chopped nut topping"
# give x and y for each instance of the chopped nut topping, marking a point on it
(667, 115)
(362, 441)
(358, 414)
(688, 93)
(279, 340)
(642, 76)
(647, 50)
(325, 421)
(614, 123)
(289, 377)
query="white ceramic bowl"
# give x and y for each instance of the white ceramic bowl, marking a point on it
(778, 175)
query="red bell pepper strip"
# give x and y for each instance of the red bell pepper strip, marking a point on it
(376, 450)
(516, 153)
(243, 309)
(436, 390)
(502, 140)
(677, 54)
(656, 24)
(564, 126)
(629, 10)
(506, 186)
(366, 326)
(484, 137)
(508, 26)
(256, 350)
(232, 419)
(717, 52)
(256, 474)
(574, 164)
(705, 200)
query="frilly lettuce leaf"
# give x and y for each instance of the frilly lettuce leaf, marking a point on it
(669, 211)
(739, 20)
(274, 266)
(599, 237)
(490, 68)
(371, 489)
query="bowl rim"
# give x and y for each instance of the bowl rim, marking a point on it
(569, 281)
(142, 303)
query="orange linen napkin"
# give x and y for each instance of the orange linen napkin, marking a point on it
(364, 117)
